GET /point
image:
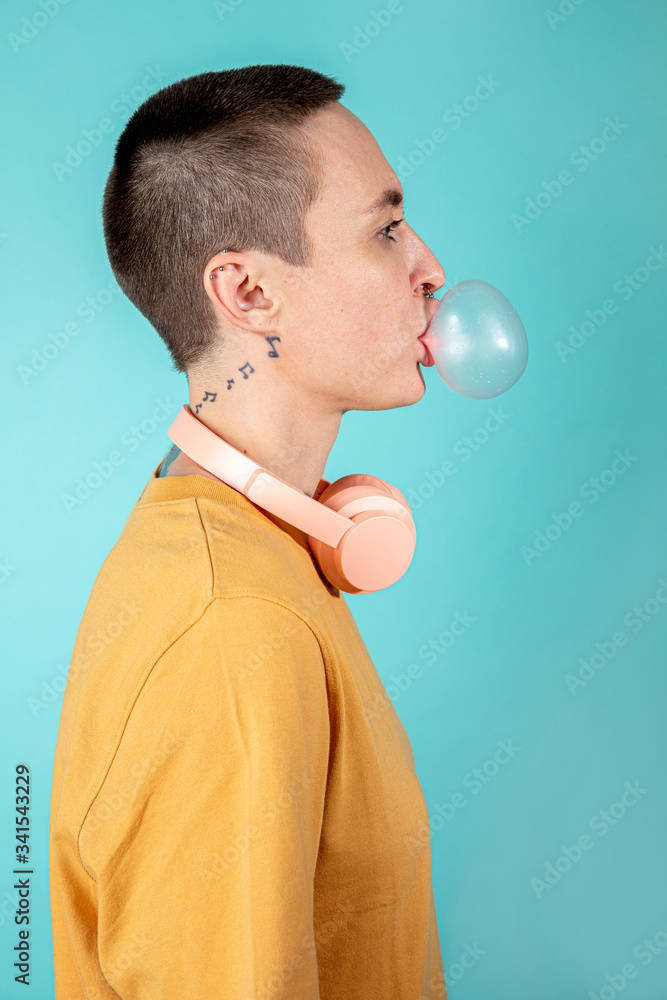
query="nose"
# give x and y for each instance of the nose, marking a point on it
(426, 272)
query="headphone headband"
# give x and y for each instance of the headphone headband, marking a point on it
(360, 528)
(264, 488)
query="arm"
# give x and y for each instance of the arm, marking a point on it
(205, 869)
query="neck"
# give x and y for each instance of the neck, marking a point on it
(266, 420)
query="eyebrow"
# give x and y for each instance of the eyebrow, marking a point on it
(392, 197)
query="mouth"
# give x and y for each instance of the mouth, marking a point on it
(427, 360)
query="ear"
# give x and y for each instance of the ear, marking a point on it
(238, 285)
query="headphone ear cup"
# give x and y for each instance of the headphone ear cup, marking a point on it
(395, 493)
(378, 548)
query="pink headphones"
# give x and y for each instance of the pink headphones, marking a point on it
(360, 528)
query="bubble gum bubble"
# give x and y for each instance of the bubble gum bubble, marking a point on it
(477, 341)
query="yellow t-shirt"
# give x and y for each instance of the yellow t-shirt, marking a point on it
(235, 812)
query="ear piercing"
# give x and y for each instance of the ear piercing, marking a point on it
(221, 268)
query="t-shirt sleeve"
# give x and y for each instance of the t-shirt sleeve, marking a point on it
(203, 838)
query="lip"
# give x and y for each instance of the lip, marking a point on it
(428, 361)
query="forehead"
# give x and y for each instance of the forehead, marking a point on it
(354, 173)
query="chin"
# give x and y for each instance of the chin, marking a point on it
(417, 392)
(408, 391)
(412, 386)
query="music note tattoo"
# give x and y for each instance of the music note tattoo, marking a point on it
(208, 397)
(273, 352)
(246, 365)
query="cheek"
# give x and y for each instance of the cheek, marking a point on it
(354, 312)
(387, 309)
(344, 313)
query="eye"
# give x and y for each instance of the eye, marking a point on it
(387, 230)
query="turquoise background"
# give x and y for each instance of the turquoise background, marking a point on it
(537, 618)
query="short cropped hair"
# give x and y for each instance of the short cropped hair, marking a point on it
(213, 161)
